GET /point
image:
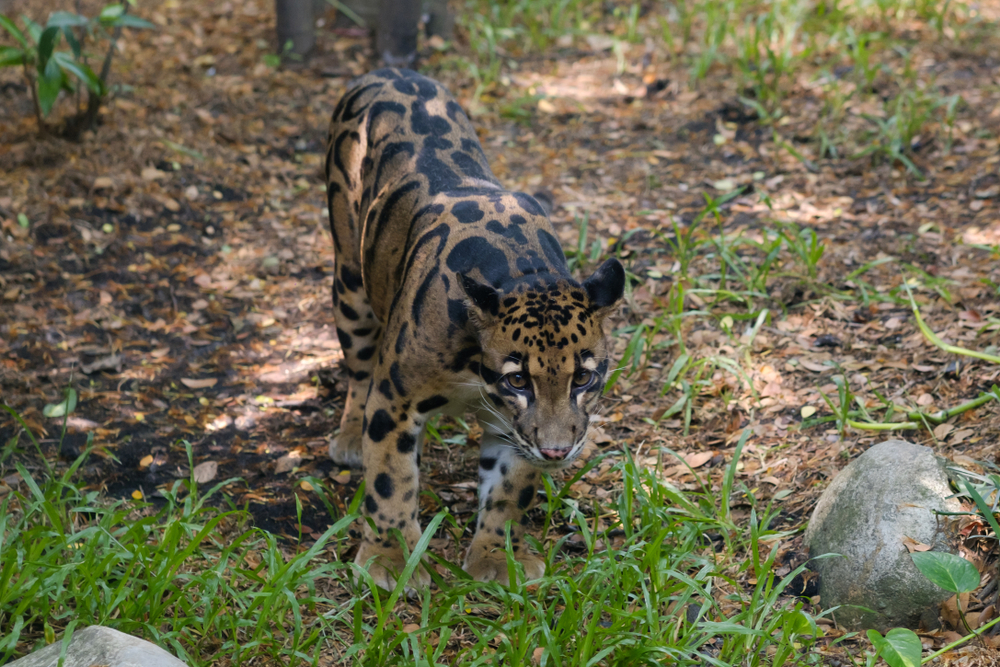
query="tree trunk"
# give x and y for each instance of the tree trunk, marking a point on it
(296, 28)
(396, 33)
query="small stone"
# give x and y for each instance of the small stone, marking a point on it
(98, 645)
(888, 494)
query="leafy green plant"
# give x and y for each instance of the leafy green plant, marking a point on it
(805, 245)
(49, 71)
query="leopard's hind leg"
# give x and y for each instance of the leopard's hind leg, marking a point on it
(358, 332)
(357, 327)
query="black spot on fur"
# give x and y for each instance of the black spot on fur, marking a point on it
(551, 248)
(406, 443)
(477, 253)
(348, 312)
(489, 375)
(361, 375)
(424, 123)
(380, 426)
(385, 389)
(458, 313)
(366, 353)
(401, 338)
(525, 496)
(396, 375)
(384, 486)
(352, 281)
(432, 403)
(370, 505)
(513, 232)
(344, 338)
(463, 357)
(529, 204)
(487, 462)
(421, 295)
(467, 212)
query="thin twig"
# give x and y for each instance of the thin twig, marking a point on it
(42, 129)
(89, 118)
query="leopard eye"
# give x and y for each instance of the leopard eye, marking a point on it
(582, 378)
(516, 380)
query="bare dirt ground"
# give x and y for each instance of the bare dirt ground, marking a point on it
(176, 270)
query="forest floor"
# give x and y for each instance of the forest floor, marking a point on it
(174, 267)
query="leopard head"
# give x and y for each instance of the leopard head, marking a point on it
(545, 359)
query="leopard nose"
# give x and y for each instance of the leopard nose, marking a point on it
(556, 454)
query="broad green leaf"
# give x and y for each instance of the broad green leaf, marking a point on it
(131, 21)
(80, 71)
(65, 19)
(901, 648)
(9, 26)
(799, 622)
(11, 55)
(47, 44)
(73, 42)
(950, 572)
(49, 84)
(34, 30)
(111, 12)
(61, 409)
(22, 220)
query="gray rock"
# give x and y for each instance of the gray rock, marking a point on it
(888, 493)
(98, 645)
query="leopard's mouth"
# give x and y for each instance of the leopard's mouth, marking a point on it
(554, 458)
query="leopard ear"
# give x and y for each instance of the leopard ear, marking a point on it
(606, 286)
(482, 297)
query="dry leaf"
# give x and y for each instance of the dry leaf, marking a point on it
(342, 477)
(205, 472)
(950, 612)
(411, 627)
(305, 485)
(814, 367)
(102, 182)
(912, 545)
(199, 384)
(146, 461)
(698, 459)
(807, 411)
(287, 462)
(959, 436)
(941, 430)
(546, 107)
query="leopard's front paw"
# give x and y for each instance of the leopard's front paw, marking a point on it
(489, 563)
(345, 449)
(387, 564)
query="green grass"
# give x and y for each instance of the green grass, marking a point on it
(860, 52)
(660, 575)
